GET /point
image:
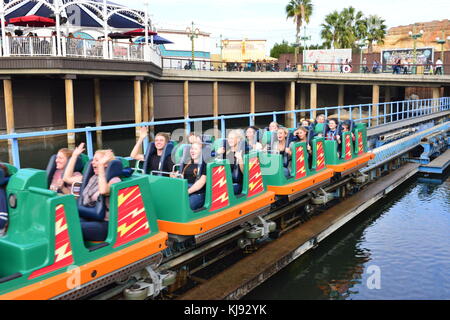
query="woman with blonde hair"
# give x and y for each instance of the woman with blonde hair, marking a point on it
(96, 186)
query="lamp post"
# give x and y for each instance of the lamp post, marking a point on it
(361, 44)
(146, 23)
(192, 33)
(442, 42)
(221, 46)
(415, 36)
(304, 39)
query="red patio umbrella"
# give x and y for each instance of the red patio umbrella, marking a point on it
(139, 33)
(32, 21)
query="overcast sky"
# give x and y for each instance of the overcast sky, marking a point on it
(266, 19)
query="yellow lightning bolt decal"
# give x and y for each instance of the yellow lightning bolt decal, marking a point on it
(124, 197)
(123, 229)
(133, 213)
(320, 160)
(143, 226)
(302, 170)
(252, 164)
(61, 254)
(60, 227)
(223, 197)
(254, 185)
(220, 169)
(348, 145)
(221, 182)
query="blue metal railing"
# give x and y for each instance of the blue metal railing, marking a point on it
(403, 110)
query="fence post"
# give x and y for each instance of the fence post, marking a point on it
(146, 144)
(222, 127)
(64, 46)
(360, 114)
(15, 152)
(89, 145)
(31, 46)
(294, 114)
(408, 109)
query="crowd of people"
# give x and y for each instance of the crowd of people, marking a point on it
(405, 66)
(67, 171)
(401, 66)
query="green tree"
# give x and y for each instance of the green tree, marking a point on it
(344, 29)
(376, 31)
(301, 11)
(283, 47)
(330, 32)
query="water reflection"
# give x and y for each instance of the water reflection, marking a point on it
(405, 237)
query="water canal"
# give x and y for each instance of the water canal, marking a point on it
(398, 249)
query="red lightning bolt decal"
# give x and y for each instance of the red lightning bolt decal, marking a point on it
(132, 220)
(348, 147)
(320, 156)
(219, 189)
(300, 163)
(255, 182)
(63, 250)
(360, 144)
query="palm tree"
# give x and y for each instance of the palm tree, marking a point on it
(342, 30)
(353, 27)
(330, 30)
(376, 30)
(300, 11)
